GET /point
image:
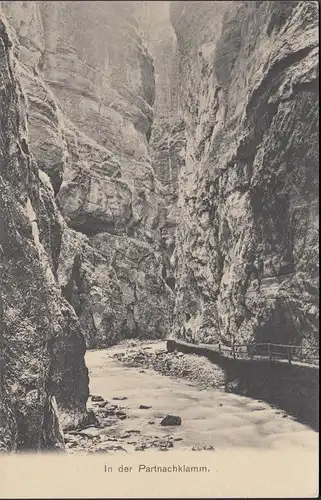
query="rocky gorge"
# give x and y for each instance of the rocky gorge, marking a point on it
(158, 169)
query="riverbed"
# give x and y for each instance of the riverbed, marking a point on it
(210, 418)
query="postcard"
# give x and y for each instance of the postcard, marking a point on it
(159, 249)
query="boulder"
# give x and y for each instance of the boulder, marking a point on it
(171, 420)
(97, 398)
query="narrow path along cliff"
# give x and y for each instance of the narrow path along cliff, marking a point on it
(130, 402)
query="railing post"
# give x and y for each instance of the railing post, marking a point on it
(269, 352)
(233, 351)
(290, 355)
(219, 348)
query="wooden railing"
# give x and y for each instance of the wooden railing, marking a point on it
(273, 352)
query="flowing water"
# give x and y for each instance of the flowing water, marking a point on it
(210, 417)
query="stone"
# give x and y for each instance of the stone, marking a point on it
(140, 447)
(105, 447)
(171, 420)
(89, 432)
(102, 404)
(203, 448)
(108, 411)
(72, 444)
(91, 419)
(125, 435)
(72, 438)
(121, 415)
(97, 398)
(144, 407)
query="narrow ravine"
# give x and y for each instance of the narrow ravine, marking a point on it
(139, 398)
(158, 179)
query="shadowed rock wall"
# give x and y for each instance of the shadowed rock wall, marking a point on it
(44, 380)
(167, 142)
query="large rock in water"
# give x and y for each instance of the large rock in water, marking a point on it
(171, 420)
(247, 240)
(42, 348)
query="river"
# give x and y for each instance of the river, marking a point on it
(210, 417)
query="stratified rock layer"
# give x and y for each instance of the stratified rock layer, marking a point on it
(247, 239)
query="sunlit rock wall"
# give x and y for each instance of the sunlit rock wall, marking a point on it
(247, 240)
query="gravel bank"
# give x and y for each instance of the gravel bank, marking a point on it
(175, 364)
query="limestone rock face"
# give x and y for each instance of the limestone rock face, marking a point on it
(97, 66)
(45, 123)
(247, 239)
(115, 285)
(90, 88)
(167, 142)
(43, 374)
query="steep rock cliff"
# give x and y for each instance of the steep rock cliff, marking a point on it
(90, 88)
(167, 142)
(247, 239)
(44, 380)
